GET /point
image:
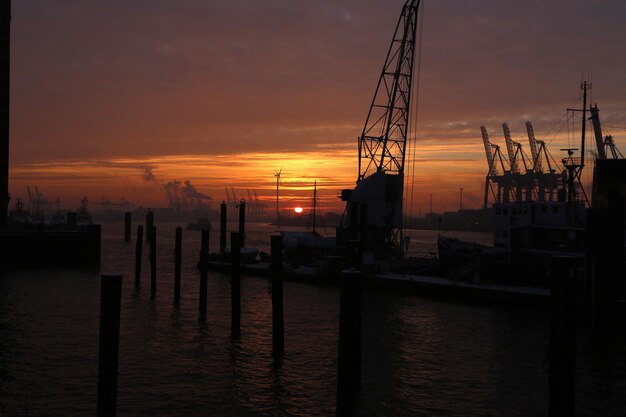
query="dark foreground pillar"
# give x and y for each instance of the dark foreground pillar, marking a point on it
(563, 337)
(138, 250)
(127, 226)
(153, 258)
(349, 361)
(177, 265)
(222, 227)
(110, 302)
(204, 260)
(5, 85)
(278, 326)
(235, 283)
(149, 224)
(242, 223)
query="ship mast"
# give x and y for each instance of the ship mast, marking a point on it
(575, 165)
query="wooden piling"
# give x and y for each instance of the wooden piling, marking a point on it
(235, 283)
(110, 303)
(223, 227)
(149, 224)
(278, 327)
(204, 260)
(177, 265)
(562, 353)
(349, 360)
(242, 223)
(153, 258)
(138, 250)
(127, 226)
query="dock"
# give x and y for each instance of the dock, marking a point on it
(45, 247)
(414, 284)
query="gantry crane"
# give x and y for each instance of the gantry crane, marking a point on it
(539, 179)
(546, 180)
(375, 204)
(534, 151)
(603, 143)
(495, 159)
(516, 153)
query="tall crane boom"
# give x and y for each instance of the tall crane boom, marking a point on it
(597, 130)
(509, 148)
(533, 148)
(488, 151)
(382, 143)
(374, 206)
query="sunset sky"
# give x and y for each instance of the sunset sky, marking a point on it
(114, 99)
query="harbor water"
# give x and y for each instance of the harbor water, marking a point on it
(421, 356)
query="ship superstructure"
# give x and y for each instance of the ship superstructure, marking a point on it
(539, 204)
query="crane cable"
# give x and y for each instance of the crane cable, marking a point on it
(413, 129)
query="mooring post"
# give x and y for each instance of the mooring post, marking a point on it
(222, 227)
(349, 361)
(562, 353)
(242, 223)
(138, 250)
(153, 258)
(5, 94)
(235, 283)
(204, 260)
(177, 265)
(127, 226)
(149, 224)
(278, 326)
(110, 302)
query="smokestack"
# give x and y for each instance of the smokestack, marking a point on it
(5, 66)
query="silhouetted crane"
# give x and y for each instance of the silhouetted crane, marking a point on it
(378, 194)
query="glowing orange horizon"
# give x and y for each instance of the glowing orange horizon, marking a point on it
(437, 169)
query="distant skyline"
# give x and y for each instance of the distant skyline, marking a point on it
(222, 93)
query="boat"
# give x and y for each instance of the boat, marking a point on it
(533, 220)
(309, 243)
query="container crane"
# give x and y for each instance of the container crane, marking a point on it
(375, 204)
(514, 150)
(534, 151)
(257, 201)
(495, 159)
(597, 130)
(488, 151)
(603, 143)
(546, 177)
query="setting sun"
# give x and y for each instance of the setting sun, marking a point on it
(298, 210)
